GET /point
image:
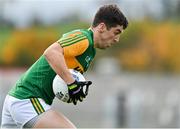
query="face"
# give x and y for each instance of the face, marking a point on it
(108, 37)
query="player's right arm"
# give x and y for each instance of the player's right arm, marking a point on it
(55, 57)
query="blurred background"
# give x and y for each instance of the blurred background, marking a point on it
(136, 83)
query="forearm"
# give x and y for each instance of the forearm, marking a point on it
(55, 57)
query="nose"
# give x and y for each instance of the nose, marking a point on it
(116, 39)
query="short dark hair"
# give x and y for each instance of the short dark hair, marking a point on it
(111, 15)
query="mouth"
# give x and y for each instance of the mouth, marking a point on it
(108, 46)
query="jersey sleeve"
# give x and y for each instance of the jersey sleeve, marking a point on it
(76, 49)
(74, 44)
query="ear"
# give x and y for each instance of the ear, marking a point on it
(101, 27)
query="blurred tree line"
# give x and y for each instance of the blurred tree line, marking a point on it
(144, 46)
(147, 45)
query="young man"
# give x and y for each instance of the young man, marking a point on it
(28, 104)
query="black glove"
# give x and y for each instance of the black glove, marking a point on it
(75, 90)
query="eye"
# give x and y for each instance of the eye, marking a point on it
(117, 33)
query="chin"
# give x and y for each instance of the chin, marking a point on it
(106, 47)
(102, 48)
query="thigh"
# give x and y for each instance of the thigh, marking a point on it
(53, 119)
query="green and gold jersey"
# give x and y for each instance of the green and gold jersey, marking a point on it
(79, 51)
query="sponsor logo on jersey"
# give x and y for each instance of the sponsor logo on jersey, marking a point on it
(88, 60)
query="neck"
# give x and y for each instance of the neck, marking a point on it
(95, 36)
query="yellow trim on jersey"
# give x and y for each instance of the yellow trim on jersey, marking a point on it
(70, 53)
(73, 63)
(72, 41)
(76, 49)
(67, 39)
